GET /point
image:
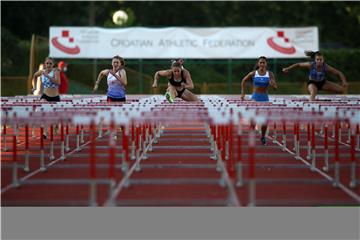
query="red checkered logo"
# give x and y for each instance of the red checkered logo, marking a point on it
(281, 43)
(65, 43)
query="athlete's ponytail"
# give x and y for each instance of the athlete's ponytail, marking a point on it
(178, 63)
(312, 54)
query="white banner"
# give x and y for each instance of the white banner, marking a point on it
(182, 42)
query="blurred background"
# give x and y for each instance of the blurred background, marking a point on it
(25, 43)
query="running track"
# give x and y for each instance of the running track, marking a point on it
(177, 168)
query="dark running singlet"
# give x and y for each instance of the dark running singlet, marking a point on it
(178, 84)
(174, 83)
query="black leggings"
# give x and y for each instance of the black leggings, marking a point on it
(180, 93)
(50, 99)
(111, 99)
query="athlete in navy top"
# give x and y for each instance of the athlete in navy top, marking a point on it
(116, 80)
(180, 82)
(262, 78)
(317, 75)
(50, 79)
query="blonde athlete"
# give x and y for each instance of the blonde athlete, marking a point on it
(180, 83)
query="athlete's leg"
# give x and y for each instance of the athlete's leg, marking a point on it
(170, 93)
(189, 96)
(313, 91)
(333, 87)
(263, 132)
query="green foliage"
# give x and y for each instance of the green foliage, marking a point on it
(345, 60)
(337, 21)
(14, 57)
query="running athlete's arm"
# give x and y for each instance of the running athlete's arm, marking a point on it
(189, 82)
(35, 77)
(121, 77)
(302, 65)
(247, 77)
(56, 78)
(339, 74)
(101, 74)
(158, 74)
(272, 81)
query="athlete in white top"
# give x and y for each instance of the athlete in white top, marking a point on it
(116, 80)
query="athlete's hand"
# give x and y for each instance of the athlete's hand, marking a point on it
(345, 84)
(154, 85)
(45, 74)
(285, 70)
(273, 84)
(95, 87)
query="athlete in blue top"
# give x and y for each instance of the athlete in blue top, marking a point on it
(50, 79)
(180, 82)
(116, 80)
(262, 78)
(317, 75)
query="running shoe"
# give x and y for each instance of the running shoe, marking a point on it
(263, 141)
(169, 97)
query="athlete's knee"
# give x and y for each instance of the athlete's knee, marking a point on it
(341, 90)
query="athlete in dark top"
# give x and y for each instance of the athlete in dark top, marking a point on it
(317, 75)
(180, 83)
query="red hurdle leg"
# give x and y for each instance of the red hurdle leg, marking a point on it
(326, 149)
(42, 152)
(62, 150)
(231, 169)
(284, 135)
(313, 148)
(112, 152)
(353, 182)
(92, 165)
(239, 178)
(252, 186)
(67, 146)
(308, 137)
(51, 157)
(4, 148)
(336, 143)
(26, 166)
(15, 180)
